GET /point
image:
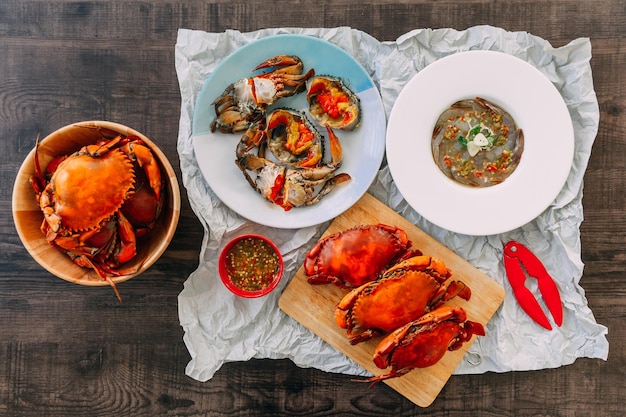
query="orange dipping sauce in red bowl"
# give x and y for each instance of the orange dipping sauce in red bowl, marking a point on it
(250, 266)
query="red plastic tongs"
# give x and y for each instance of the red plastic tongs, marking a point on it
(518, 259)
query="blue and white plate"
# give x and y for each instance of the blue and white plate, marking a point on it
(363, 149)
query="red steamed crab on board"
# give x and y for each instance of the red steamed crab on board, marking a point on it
(423, 342)
(98, 200)
(358, 255)
(403, 293)
(395, 292)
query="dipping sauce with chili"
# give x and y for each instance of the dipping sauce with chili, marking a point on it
(250, 265)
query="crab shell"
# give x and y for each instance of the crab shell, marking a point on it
(332, 103)
(355, 256)
(89, 190)
(423, 342)
(404, 293)
(293, 140)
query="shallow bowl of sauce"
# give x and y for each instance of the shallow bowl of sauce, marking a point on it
(250, 266)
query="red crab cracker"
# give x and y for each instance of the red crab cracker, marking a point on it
(519, 260)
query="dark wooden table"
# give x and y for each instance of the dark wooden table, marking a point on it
(70, 351)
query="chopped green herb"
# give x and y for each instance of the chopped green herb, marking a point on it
(474, 131)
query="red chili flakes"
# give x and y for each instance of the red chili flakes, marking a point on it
(252, 264)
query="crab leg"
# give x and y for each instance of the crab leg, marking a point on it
(46, 204)
(336, 151)
(85, 262)
(328, 186)
(37, 181)
(288, 72)
(252, 138)
(102, 148)
(298, 82)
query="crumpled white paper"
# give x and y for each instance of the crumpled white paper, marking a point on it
(220, 327)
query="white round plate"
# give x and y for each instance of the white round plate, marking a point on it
(518, 88)
(363, 149)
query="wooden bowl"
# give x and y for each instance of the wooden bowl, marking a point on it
(28, 216)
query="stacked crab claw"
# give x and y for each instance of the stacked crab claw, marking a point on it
(294, 172)
(396, 292)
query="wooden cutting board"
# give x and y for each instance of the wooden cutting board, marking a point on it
(314, 305)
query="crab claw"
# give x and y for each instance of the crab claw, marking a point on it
(128, 244)
(290, 64)
(336, 151)
(146, 160)
(287, 71)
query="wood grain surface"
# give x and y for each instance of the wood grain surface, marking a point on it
(68, 350)
(314, 305)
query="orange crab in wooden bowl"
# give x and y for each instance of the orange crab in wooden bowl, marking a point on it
(96, 203)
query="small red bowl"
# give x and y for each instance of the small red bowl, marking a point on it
(250, 266)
